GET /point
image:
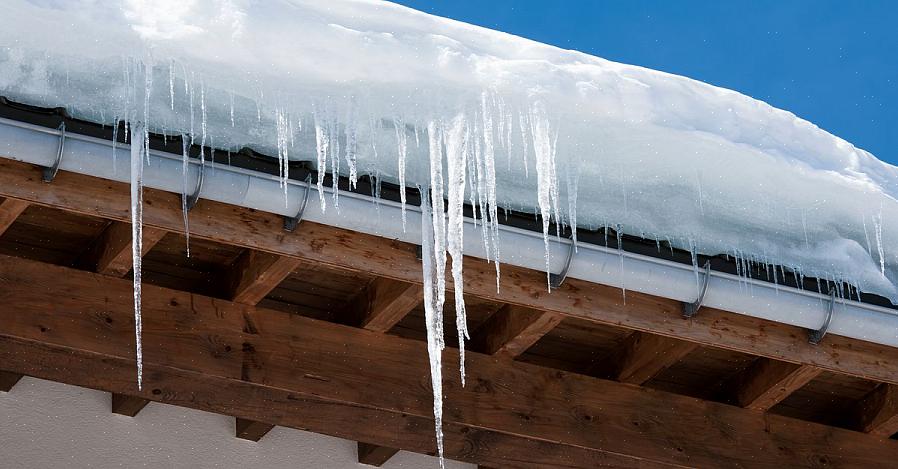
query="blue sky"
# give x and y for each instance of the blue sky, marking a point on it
(834, 63)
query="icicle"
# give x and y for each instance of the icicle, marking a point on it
(438, 221)
(402, 148)
(457, 136)
(543, 148)
(877, 232)
(185, 170)
(231, 100)
(137, 146)
(321, 147)
(171, 83)
(433, 313)
(352, 142)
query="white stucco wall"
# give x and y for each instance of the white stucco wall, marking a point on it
(51, 425)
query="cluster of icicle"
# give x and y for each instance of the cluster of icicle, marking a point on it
(463, 144)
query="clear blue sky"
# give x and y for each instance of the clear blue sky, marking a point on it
(832, 62)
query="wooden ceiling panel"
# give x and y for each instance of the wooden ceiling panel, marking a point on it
(574, 345)
(702, 373)
(477, 311)
(51, 235)
(826, 399)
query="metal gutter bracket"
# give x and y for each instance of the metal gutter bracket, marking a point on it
(555, 280)
(49, 173)
(691, 309)
(816, 336)
(192, 199)
(290, 223)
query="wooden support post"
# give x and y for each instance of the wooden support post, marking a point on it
(512, 330)
(10, 209)
(127, 405)
(641, 356)
(250, 429)
(374, 455)
(8, 380)
(767, 382)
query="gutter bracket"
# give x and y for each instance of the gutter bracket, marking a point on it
(816, 336)
(192, 199)
(691, 309)
(290, 223)
(555, 280)
(48, 174)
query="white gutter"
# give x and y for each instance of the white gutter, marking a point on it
(236, 186)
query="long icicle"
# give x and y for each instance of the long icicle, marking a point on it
(433, 316)
(138, 134)
(456, 137)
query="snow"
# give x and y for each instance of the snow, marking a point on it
(497, 120)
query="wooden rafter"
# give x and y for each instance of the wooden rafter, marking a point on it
(385, 302)
(250, 429)
(877, 413)
(255, 274)
(8, 380)
(374, 455)
(376, 256)
(767, 382)
(10, 209)
(111, 253)
(512, 330)
(127, 405)
(641, 357)
(339, 380)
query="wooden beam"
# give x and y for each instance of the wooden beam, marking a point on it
(767, 382)
(512, 330)
(384, 303)
(10, 209)
(375, 455)
(8, 380)
(255, 274)
(127, 405)
(344, 381)
(250, 429)
(382, 257)
(877, 413)
(111, 252)
(641, 356)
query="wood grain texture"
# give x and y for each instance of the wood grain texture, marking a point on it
(335, 247)
(767, 382)
(512, 330)
(641, 356)
(250, 429)
(385, 302)
(10, 209)
(255, 274)
(111, 253)
(375, 455)
(342, 381)
(877, 413)
(127, 405)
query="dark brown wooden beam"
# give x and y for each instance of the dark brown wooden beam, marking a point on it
(250, 429)
(111, 253)
(344, 249)
(344, 381)
(10, 209)
(512, 330)
(8, 380)
(255, 274)
(374, 455)
(641, 356)
(127, 405)
(386, 302)
(767, 382)
(877, 413)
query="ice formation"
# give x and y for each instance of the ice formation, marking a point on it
(470, 116)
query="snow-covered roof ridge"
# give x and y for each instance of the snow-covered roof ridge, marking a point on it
(574, 137)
